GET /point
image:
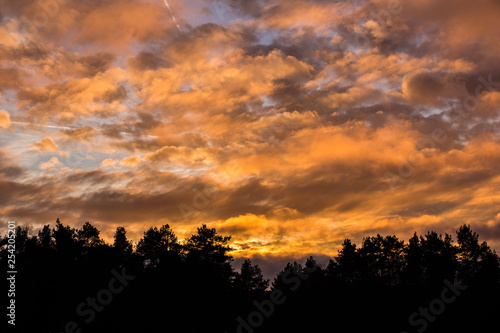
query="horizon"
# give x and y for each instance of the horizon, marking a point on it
(270, 265)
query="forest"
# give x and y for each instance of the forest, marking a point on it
(70, 280)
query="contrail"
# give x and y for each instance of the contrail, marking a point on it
(171, 14)
(71, 128)
(46, 126)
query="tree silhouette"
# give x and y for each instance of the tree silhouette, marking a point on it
(158, 244)
(88, 236)
(381, 259)
(250, 279)
(383, 282)
(64, 237)
(473, 257)
(438, 259)
(45, 237)
(314, 275)
(348, 263)
(289, 278)
(413, 273)
(208, 246)
(207, 256)
(121, 243)
(24, 243)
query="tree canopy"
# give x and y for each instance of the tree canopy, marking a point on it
(193, 281)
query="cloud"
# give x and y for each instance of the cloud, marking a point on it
(4, 119)
(179, 155)
(116, 19)
(86, 133)
(73, 99)
(8, 168)
(130, 161)
(430, 88)
(47, 145)
(50, 164)
(10, 78)
(294, 14)
(109, 162)
(114, 24)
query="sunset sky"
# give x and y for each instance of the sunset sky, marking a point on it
(288, 124)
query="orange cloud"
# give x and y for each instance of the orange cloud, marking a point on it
(130, 161)
(4, 119)
(47, 145)
(51, 164)
(109, 162)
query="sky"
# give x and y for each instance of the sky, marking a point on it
(288, 124)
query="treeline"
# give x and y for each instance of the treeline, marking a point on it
(70, 280)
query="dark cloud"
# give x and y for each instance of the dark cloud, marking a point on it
(146, 61)
(117, 94)
(251, 8)
(8, 168)
(97, 63)
(490, 230)
(10, 78)
(86, 133)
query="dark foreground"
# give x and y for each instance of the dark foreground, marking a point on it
(69, 280)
